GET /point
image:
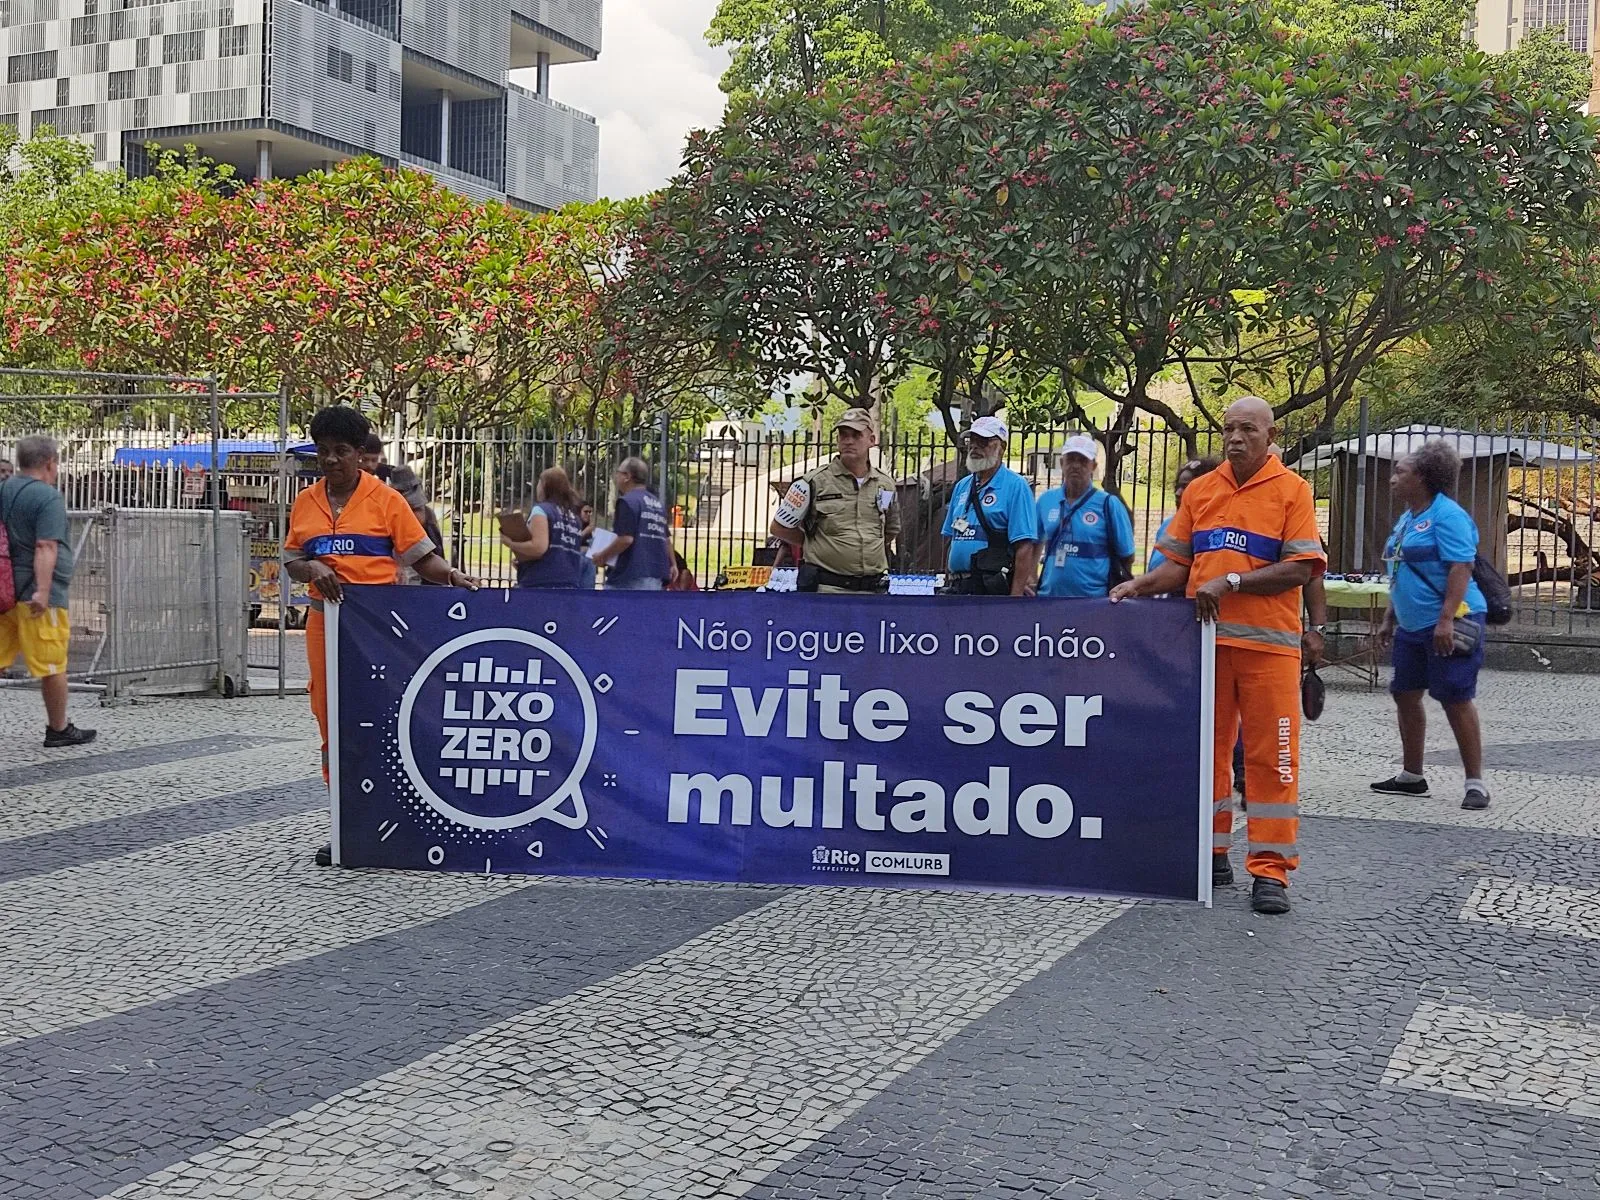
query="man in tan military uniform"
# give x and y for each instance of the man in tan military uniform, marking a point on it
(844, 516)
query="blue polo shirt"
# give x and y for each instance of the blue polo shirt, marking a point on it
(1008, 507)
(1156, 557)
(1081, 537)
(1421, 551)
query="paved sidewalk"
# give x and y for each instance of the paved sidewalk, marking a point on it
(189, 1008)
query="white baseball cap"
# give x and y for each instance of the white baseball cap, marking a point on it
(1083, 446)
(990, 427)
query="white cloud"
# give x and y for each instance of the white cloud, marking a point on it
(655, 81)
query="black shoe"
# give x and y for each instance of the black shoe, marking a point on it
(325, 855)
(1476, 800)
(1221, 871)
(1401, 787)
(1270, 897)
(55, 739)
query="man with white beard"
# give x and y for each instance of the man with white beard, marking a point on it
(992, 523)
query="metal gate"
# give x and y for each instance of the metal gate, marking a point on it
(154, 599)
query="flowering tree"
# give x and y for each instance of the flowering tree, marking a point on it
(1180, 189)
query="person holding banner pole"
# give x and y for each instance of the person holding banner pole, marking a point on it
(348, 528)
(1244, 544)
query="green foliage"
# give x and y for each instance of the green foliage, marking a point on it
(1178, 190)
(1544, 59)
(1398, 28)
(779, 45)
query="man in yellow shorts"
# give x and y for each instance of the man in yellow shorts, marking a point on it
(37, 627)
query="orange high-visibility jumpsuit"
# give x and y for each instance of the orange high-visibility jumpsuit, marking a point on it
(1222, 528)
(374, 534)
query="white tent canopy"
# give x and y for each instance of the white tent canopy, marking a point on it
(1514, 451)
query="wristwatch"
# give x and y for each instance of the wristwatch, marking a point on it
(1316, 629)
(1234, 580)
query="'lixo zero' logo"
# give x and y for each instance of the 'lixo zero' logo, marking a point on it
(496, 730)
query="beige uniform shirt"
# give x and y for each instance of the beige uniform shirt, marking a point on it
(846, 524)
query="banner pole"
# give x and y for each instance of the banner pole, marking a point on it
(1208, 729)
(331, 673)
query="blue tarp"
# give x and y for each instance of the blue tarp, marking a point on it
(190, 455)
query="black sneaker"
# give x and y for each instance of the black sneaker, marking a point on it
(55, 739)
(325, 855)
(1221, 871)
(1402, 787)
(1476, 800)
(1270, 897)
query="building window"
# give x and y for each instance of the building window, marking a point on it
(120, 86)
(141, 113)
(63, 92)
(85, 31)
(152, 86)
(233, 41)
(183, 47)
(102, 57)
(182, 83)
(372, 78)
(118, 21)
(141, 52)
(155, 22)
(341, 65)
(25, 68)
(86, 118)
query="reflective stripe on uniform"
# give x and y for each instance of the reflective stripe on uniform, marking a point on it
(1174, 549)
(1258, 633)
(1302, 547)
(1274, 812)
(1221, 841)
(1286, 850)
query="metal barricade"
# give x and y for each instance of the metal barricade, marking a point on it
(144, 616)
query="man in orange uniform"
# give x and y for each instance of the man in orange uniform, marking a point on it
(1245, 543)
(348, 528)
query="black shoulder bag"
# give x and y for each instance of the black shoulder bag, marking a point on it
(993, 566)
(1467, 632)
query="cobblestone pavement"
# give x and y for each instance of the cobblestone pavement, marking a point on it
(189, 1008)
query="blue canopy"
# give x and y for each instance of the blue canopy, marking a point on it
(190, 455)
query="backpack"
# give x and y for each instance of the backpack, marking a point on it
(8, 575)
(1496, 591)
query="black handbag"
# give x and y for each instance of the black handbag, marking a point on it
(1465, 632)
(993, 566)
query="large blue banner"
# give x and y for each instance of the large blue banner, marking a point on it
(1037, 745)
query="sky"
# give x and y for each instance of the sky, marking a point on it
(655, 81)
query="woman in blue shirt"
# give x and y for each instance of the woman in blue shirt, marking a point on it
(1187, 474)
(552, 557)
(1431, 556)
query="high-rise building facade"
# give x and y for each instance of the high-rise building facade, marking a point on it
(281, 87)
(1498, 25)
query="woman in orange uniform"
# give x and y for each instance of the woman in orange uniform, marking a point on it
(348, 528)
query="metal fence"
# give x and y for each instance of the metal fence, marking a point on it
(153, 598)
(1530, 484)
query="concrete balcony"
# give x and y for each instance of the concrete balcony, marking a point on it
(552, 151)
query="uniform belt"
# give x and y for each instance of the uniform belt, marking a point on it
(853, 583)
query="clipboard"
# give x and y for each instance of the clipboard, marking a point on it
(514, 526)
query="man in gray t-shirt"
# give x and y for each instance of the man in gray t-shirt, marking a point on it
(38, 628)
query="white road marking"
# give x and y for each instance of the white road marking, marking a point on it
(694, 1074)
(88, 942)
(1500, 1058)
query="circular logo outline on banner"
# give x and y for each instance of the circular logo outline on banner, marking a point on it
(571, 787)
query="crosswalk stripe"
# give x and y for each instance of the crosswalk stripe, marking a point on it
(694, 1074)
(1495, 1057)
(50, 807)
(1542, 907)
(89, 942)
